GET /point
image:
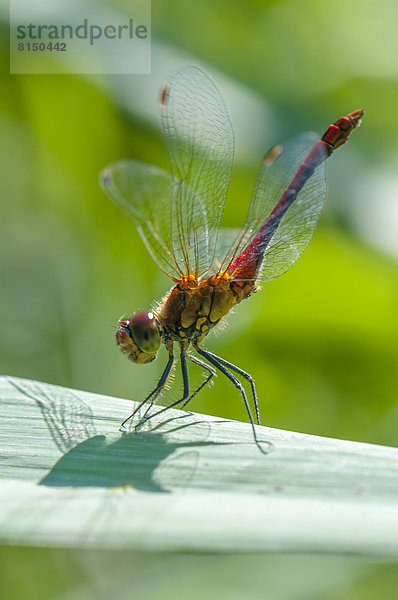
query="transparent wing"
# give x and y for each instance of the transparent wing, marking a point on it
(200, 142)
(226, 240)
(143, 193)
(296, 228)
(298, 223)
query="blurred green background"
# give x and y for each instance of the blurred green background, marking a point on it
(321, 341)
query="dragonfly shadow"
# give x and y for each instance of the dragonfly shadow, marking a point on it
(151, 460)
(144, 461)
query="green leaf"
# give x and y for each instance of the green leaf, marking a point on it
(188, 482)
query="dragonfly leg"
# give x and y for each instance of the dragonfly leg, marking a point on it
(211, 374)
(184, 373)
(217, 363)
(185, 398)
(155, 393)
(153, 399)
(243, 374)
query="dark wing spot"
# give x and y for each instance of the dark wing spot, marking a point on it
(164, 92)
(272, 155)
(107, 177)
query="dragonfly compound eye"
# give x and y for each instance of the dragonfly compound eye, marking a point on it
(139, 337)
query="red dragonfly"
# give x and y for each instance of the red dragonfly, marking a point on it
(179, 217)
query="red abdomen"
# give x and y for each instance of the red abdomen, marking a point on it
(247, 265)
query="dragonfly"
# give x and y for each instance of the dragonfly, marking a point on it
(178, 216)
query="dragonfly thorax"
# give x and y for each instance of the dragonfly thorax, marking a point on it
(192, 308)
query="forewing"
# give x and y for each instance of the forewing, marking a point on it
(298, 224)
(143, 193)
(200, 142)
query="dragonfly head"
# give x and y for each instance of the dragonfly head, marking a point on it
(139, 337)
